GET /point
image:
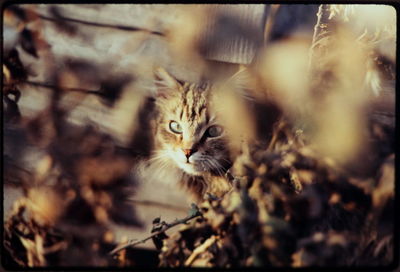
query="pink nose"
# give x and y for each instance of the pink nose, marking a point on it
(187, 152)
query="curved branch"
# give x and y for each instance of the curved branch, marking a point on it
(164, 228)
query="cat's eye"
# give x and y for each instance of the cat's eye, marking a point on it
(175, 127)
(214, 131)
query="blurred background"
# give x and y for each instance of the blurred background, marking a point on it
(76, 83)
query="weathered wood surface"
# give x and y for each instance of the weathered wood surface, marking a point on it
(108, 40)
(159, 18)
(121, 51)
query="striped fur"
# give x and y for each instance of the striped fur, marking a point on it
(189, 105)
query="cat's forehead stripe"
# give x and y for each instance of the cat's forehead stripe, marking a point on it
(181, 114)
(194, 101)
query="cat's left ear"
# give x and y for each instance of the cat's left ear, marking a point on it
(165, 83)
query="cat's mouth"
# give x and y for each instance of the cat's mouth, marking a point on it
(199, 164)
(195, 169)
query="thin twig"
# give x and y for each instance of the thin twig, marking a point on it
(319, 30)
(200, 249)
(270, 22)
(119, 27)
(49, 86)
(165, 227)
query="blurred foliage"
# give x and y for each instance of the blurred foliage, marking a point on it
(290, 208)
(312, 186)
(309, 196)
(81, 184)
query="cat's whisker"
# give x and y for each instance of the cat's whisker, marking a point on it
(229, 162)
(221, 169)
(163, 165)
(226, 160)
(164, 158)
(158, 156)
(160, 159)
(215, 165)
(203, 165)
(206, 162)
(220, 172)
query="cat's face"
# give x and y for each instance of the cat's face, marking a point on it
(188, 132)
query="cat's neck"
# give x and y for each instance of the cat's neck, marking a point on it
(196, 185)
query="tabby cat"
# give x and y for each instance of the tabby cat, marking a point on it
(190, 145)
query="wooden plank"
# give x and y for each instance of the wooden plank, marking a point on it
(233, 48)
(234, 33)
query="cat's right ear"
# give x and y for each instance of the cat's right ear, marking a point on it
(165, 83)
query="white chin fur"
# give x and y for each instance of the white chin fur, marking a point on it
(189, 168)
